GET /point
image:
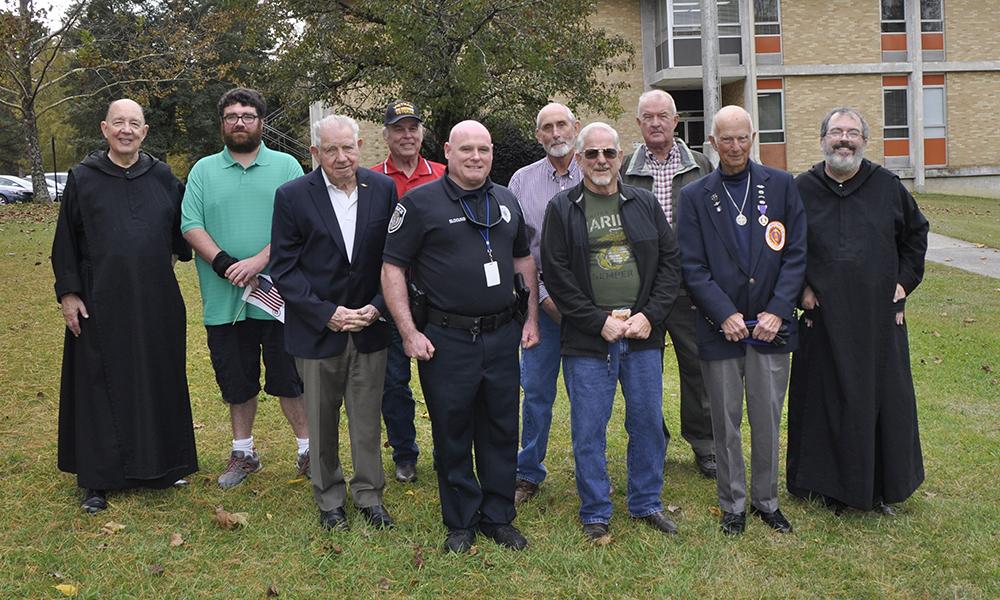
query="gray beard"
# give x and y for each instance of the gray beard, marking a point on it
(844, 166)
(558, 151)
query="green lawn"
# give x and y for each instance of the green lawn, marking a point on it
(943, 544)
(967, 218)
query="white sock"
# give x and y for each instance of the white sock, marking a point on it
(303, 444)
(245, 446)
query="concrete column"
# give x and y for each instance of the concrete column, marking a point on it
(747, 29)
(916, 92)
(710, 69)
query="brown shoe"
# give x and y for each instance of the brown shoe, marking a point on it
(524, 490)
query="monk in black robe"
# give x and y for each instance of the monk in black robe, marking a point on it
(852, 414)
(124, 409)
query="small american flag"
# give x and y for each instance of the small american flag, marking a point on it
(266, 297)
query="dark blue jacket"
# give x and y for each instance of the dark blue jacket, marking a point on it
(310, 268)
(714, 271)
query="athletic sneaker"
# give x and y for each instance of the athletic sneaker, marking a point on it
(240, 465)
(303, 464)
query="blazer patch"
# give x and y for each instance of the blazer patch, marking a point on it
(775, 235)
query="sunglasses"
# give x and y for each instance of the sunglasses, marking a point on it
(592, 153)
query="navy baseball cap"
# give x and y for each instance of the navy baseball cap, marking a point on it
(399, 110)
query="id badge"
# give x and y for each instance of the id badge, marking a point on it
(492, 270)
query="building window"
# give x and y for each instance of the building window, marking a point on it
(894, 16)
(767, 20)
(896, 114)
(934, 112)
(771, 117)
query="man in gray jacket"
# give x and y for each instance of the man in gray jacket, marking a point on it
(663, 165)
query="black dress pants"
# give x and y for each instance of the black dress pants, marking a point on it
(471, 390)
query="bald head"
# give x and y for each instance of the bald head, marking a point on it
(469, 151)
(126, 105)
(731, 116)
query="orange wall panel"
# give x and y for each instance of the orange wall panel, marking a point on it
(897, 147)
(932, 41)
(767, 44)
(773, 155)
(769, 84)
(936, 151)
(893, 41)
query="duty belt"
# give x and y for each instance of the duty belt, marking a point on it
(474, 325)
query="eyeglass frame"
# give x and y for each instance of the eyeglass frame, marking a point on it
(850, 134)
(234, 118)
(608, 153)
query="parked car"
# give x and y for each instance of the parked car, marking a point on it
(26, 184)
(57, 180)
(14, 193)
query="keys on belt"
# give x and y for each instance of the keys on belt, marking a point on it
(474, 325)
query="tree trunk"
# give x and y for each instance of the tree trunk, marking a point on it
(41, 189)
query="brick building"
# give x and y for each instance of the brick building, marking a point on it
(789, 61)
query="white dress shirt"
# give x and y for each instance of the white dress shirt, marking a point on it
(345, 206)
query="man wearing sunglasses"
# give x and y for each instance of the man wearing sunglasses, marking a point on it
(226, 217)
(663, 164)
(463, 239)
(612, 267)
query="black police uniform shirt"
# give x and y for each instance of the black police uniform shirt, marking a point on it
(430, 234)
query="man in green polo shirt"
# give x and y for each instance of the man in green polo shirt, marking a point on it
(226, 217)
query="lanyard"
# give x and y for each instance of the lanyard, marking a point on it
(484, 232)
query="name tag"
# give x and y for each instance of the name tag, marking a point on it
(492, 270)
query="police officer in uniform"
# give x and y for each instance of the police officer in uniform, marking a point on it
(463, 240)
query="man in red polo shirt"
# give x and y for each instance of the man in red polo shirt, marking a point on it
(404, 134)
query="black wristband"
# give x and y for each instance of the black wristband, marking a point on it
(222, 262)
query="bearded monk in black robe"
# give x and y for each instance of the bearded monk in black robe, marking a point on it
(852, 413)
(124, 409)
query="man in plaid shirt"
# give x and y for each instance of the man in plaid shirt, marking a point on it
(664, 164)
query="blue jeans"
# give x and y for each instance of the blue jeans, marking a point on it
(539, 373)
(591, 384)
(397, 403)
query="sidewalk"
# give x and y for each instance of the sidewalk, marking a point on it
(963, 255)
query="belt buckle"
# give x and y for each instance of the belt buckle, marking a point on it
(475, 329)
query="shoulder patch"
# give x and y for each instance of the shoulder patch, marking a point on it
(396, 221)
(774, 235)
(505, 213)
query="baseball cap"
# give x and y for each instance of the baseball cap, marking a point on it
(401, 109)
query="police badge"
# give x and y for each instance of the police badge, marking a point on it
(397, 218)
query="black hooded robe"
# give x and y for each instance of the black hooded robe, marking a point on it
(124, 410)
(852, 412)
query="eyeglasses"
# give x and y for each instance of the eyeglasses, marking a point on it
(247, 118)
(593, 153)
(851, 134)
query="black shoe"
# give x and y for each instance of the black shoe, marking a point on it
(706, 464)
(377, 516)
(775, 520)
(595, 531)
(335, 520)
(660, 521)
(406, 472)
(524, 490)
(733, 523)
(505, 535)
(459, 540)
(884, 509)
(94, 501)
(834, 505)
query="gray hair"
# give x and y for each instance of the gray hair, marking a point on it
(824, 126)
(652, 94)
(330, 121)
(569, 114)
(596, 125)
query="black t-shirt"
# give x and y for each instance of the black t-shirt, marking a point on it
(445, 252)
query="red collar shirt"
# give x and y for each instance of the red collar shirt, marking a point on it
(426, 171)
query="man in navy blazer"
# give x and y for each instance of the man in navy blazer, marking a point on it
(743, 248)
(327, 236)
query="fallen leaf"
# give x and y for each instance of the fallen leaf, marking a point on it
(947, 260)
(56, 575)
(111, 528)
(410, 493)
(40, 395)
(198, 426)
(424, 416)
(474, 550)
(176, 540)
(334, 548)
(228, 520)
(715, 510)
(272, 592)
(980, 245)
(604, 540)
(672, 508)
(968, 320)
(936, 333)
(383, 584)
(296, 481)
(67, 589)
(418, 557)
(986, 368)
(929, 494)
(156, 570)
(269, 516)
(938, 360)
